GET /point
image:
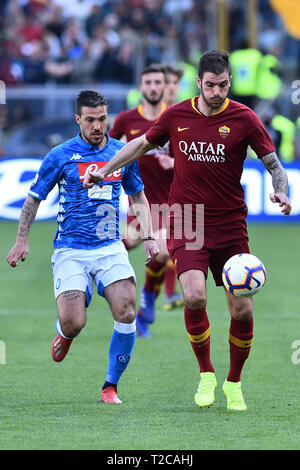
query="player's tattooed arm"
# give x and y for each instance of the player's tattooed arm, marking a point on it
(276, 170)
(28, 215)
(20, 250)
(279, 182)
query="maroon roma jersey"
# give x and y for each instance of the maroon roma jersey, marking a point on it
(157, 181)
(209, 153)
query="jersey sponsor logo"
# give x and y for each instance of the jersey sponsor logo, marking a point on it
(180, 129)
(76, 156)
(100, 192)
(203, 151)
(224, 131)
(135, 131)
(85, 167)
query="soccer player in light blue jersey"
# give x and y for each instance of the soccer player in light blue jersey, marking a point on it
(88, 249)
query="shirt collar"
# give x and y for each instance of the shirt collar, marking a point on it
(195, 100)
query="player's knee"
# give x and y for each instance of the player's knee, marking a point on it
(242, 311)
(125, 311)
(194, 299)
(72, 327)
(126, 316)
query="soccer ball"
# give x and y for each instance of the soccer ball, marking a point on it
(244, 275)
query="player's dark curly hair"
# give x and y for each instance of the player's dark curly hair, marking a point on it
(153, 68)
(215, 62)
(89, 98)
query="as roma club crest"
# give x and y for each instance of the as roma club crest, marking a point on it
(224, 131)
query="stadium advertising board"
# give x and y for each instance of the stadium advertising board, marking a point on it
(17, 174)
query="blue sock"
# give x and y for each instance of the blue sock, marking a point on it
(120, 350)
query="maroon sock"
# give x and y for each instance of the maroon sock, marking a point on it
(154, 276)
(197, 326)
(240, 340)
(170, 278)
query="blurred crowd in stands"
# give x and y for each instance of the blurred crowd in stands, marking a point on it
(110, 41)
(81, 41)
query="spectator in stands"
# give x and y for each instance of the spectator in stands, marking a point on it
(70, 41)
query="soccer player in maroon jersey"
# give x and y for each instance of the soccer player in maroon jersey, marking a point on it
(132, 124)
(210, 135)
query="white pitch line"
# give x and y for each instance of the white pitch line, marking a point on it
(22, 311)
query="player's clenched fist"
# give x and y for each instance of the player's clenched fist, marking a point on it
(19, 251)
(90, 178)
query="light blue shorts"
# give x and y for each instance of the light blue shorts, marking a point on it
(75, 269)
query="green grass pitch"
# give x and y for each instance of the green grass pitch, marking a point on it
(45, 405)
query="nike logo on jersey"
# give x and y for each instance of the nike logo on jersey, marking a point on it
(76, 156)
(180, 129)
(135, 131)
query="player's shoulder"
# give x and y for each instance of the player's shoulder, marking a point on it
(71, 149)
(185, 104)
(235, 106)
(178, 108)
(70, 144)
(115, 144)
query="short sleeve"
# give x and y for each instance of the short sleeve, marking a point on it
(47, 176)
(132, 182)
(159, 133)
(259, 139)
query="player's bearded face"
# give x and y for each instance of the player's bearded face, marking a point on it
(214, 89)
(152, 87)
(153, 97)
(93, 124)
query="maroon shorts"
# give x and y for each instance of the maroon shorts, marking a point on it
(218, 247)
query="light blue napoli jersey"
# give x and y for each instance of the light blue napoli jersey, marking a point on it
(87, 218)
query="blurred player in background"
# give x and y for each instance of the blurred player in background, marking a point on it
(210, 135)
(88, 246)
(157, 173)
(173, 77)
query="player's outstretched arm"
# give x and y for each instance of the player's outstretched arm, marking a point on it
(279, 181)
(28, 214)
(142, 211)
(128, 154)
